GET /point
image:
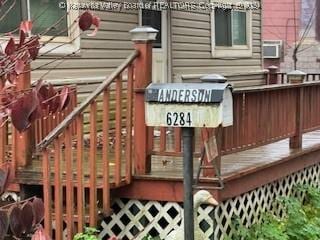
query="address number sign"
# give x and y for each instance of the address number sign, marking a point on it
(188, 104)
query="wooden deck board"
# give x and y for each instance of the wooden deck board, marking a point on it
(236, 162)
(164, 167)
(33, 173)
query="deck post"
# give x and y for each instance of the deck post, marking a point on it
(272, 76)
(296, 140)
(23, 142)
(208, 133)
(142, 38)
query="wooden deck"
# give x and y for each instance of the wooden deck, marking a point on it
(241, 171)
(32, 175)
(234, 166)
(235, 163)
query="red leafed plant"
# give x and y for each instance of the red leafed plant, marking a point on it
(4, 177)
(25, 106)
(23, 220)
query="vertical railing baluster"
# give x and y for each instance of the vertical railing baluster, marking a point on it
(46, 192)
(14, 136)
(69, 181)
(150, 143)
(129, 125)
(118, 131)
(54, 121)
(3, 133)
(105, 151)
(296, 140)
(45, 124)
(39, 126)
(80, 190)
(49, 123)
(36, 132)
(177, 140)
(163, 139)
(73, 105)
(59, 117)
(151, 138)
(93, 164)
(42, 125)
(58, 195)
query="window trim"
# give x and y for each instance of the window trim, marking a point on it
(66, 49)
(235, 50)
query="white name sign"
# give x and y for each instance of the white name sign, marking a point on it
(185, 95)
(183, 115)
(189, 105)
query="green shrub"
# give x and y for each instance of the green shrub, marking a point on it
(301, 220)
(88, 234)
(148, 237)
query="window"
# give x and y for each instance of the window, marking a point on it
(310, 21)
(231, 33)
(152, 18)
(45, 14)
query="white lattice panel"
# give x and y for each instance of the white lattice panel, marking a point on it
(134, 219)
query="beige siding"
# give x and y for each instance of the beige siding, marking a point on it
(250, 78)
(191, 49)
(99, 55)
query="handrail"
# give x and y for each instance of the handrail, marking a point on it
(59, 129)
(272, 87)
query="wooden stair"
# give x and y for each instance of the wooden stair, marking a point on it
(72, 177)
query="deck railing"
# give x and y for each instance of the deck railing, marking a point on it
(166, 141)
(281, 77)
(71, 162)
(262, 115)
(18, 148)
(48, 122)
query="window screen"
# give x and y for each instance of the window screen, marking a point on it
(43, 13)
(239, 28)
(222, 27)
(12, 19)
(230, 27)
(46, 14)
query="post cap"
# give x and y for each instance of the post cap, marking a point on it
(144, 33)
(296, 73)
(213, 78)
(272, 67)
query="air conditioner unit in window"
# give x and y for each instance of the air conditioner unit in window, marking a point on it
(272, 49)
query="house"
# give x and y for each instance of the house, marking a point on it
(102, 150)
(188, 44)
(288, 25)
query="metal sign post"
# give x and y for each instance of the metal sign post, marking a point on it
(187, 135)
(189, 105)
